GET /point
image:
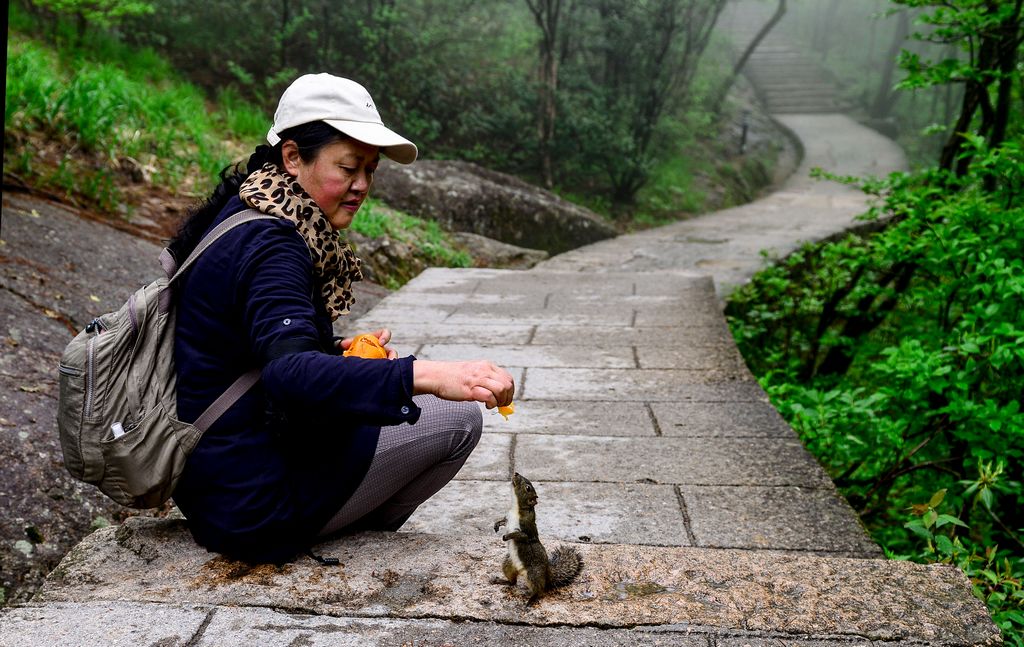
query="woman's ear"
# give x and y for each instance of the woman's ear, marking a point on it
(290, 157)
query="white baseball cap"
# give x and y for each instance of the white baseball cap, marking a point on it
(342, 104)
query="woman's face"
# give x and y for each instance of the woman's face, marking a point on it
(338, 179)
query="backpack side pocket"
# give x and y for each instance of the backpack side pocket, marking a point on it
(143, 465)
(69, 417)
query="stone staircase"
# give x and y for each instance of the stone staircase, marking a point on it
(786, 77)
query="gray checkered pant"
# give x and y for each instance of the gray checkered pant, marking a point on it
(411, 464)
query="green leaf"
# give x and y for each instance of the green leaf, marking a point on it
(944, 545)
(1015, 616)
(919, 530)
(937, 498)
(986, 497)
(945, 518)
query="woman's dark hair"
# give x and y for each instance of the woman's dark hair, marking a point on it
(310, 139)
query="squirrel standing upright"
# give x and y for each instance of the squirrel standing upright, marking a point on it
(526, 555)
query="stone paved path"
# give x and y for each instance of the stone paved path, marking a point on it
(726, 245)
(635, 413)
(636, 418)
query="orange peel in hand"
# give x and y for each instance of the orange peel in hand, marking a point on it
(507, 411)
(366, 346)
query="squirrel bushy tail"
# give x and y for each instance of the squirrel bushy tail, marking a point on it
(566, 564)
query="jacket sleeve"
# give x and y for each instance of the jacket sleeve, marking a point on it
(276, 287)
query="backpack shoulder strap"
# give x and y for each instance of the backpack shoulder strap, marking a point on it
(171, 268)
(217, 408)
(246, 381)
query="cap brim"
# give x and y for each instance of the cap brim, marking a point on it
(390, 143)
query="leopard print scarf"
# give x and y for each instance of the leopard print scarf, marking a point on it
(274, 192)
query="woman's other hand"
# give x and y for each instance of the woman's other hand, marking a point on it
(383, 336)
(480, 381)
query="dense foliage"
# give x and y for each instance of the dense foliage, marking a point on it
(79, 119)
(589, 98)
(897, 352)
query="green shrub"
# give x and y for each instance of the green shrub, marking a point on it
(898, 356)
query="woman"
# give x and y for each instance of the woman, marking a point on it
(323, 443)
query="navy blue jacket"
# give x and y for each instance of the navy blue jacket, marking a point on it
(267, 476)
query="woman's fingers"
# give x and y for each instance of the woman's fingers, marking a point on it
(500, 385)
(480, 381)
(383, 335)
(482, 394)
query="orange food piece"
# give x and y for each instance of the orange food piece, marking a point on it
(507, 411)
(366, 346)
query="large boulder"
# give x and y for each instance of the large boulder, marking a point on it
(462, 196)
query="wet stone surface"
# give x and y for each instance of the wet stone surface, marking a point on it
(728, 461)
(576, 418)
(624, 513)
(790, 518)
(707, 419)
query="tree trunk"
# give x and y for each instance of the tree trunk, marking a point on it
(885, 98)
(871, 313)
(1008, 43)
(1007, 50)
(546, 13)
(723, 90)
(997, 56)
(830, 22)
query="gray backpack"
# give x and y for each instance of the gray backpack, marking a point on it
(117, 409)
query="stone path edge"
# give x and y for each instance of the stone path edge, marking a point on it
(420, 576)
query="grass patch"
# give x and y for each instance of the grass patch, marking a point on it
(103, 116)
(431, 245)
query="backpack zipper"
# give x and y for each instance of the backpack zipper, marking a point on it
(90, 350)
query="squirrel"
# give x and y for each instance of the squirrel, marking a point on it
(526, 555)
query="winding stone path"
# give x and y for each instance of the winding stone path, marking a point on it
(702, 519)
(726, 244)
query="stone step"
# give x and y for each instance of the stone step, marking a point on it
(807, 109)
(151, 578)
(800, 96)
(818, 101)
(805, 94)
(782, 102)
(762, 55)
(800, 91)
(787, 73)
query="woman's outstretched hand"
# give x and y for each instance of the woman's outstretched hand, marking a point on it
(480, 381)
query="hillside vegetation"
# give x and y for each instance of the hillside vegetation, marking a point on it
(106, 125)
